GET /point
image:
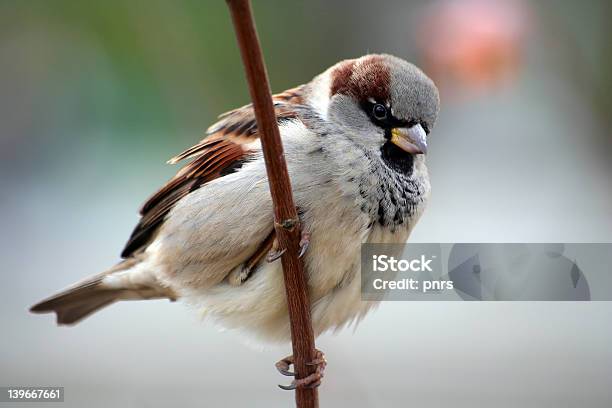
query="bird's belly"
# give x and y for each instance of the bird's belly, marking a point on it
(259, 306)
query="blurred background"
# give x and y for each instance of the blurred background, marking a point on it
(95, 96)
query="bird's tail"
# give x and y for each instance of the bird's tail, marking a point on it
(125, 281)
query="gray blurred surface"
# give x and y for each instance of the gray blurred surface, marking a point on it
(526, 163)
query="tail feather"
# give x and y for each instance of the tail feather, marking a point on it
(81, 300)
(73, 305)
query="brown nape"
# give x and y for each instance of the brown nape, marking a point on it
(368, 77)
(341, 77)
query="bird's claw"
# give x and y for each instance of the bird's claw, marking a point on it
(275, 254)
(283, 366)
(301, 383)
(311, 381)
(304, 242)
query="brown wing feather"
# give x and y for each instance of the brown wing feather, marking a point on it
(224, 150)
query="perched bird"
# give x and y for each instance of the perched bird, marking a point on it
(355, 140)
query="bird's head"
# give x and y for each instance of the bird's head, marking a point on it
(384, 102)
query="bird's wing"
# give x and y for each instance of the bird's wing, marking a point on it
(228, 144)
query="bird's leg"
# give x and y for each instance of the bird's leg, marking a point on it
(311, 381)
(268, 246)
(242, 273)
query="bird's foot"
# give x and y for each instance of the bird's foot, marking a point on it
(311, 381)
(304, 242)
(276, 253)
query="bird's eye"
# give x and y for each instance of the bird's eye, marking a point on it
(379, 111)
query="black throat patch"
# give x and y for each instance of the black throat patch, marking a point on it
(397, 159)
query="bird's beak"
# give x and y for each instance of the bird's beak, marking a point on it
(412, 140)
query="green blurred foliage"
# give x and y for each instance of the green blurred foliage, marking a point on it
(170, 66)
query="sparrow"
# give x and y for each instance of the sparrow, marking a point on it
(355, 141)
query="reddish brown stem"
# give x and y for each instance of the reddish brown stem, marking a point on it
(285, 214)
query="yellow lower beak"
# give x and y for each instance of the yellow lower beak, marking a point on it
(412, 140)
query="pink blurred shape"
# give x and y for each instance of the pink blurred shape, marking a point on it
(473, 45)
